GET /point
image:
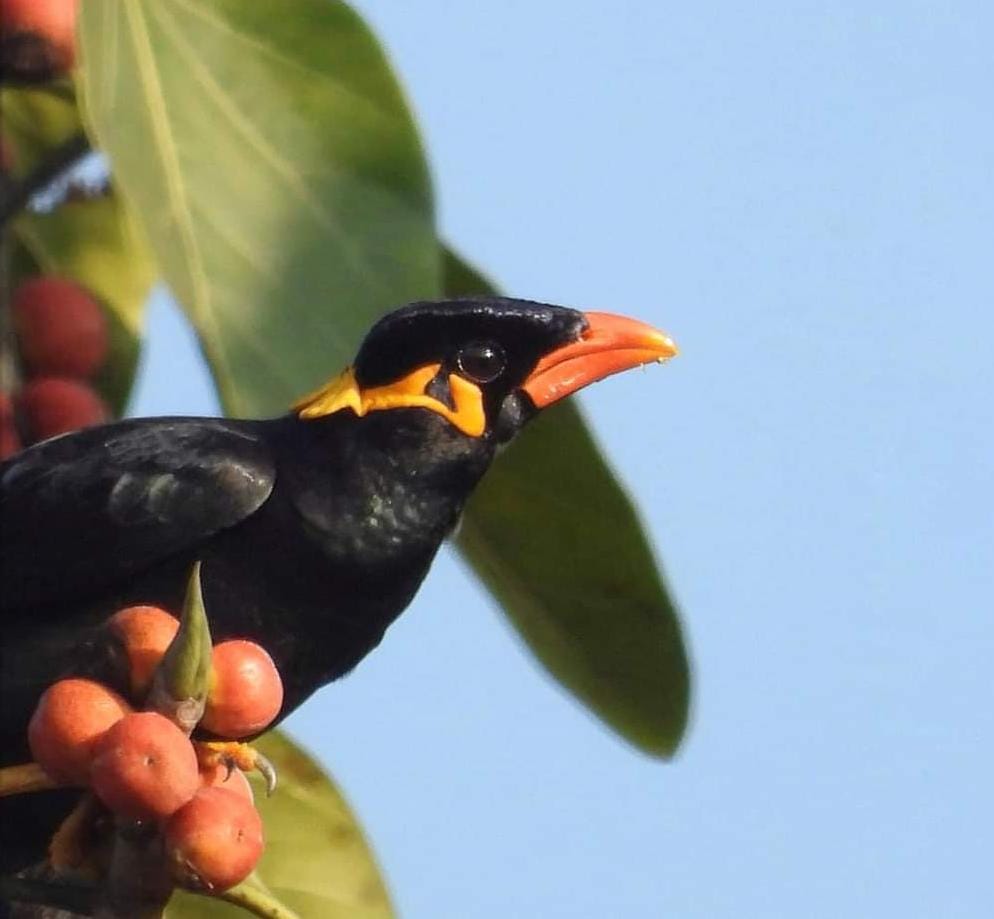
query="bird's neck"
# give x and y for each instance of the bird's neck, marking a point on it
(389, 483)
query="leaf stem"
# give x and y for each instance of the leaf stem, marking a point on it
(16, 197)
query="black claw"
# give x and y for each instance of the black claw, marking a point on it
(268, 771)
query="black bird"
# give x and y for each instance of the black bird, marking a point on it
(314, 529)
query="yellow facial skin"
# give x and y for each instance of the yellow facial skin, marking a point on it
(408, 392)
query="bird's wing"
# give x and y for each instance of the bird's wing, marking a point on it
(87, 509)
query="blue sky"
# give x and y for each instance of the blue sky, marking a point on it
(802, 194)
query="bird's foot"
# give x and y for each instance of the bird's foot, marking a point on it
(18, 780)
(233, 754)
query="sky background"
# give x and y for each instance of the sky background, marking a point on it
(802, 194)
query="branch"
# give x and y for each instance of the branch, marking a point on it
(17, 780)
(64, 157)
(72, 897)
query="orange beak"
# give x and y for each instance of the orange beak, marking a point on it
(609, 345)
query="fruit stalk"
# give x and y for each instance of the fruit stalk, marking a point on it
(257, 900)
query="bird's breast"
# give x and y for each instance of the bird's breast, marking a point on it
(379, 524)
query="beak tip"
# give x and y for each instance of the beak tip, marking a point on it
(609, 344)
(663, 346)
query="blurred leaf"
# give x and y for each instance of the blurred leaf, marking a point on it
(316, 861)
(35, 120)
(556, 539)
(183, 905)
(93, 241)
(275, 168)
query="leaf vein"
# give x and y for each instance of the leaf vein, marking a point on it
(291, 179)
(269, 51)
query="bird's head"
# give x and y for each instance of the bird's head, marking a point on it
(485, 364)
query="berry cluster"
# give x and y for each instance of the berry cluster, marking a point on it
(143, 767)
(62, 342)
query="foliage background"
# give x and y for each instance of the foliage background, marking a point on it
(803, 196)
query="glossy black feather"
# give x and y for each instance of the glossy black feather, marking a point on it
(313, 536)
(92, 508)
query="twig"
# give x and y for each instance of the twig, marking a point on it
(71, 896)
(16, 780)
(62, 158)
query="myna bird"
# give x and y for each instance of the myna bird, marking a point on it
(314, 529)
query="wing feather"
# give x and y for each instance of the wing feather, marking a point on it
(87, 509)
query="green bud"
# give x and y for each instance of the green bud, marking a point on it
(183, 679)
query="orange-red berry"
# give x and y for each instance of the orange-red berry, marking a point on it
(246, 693)
(10, 439)
(144, 767)
(61, 329)
(145, 632)
(52, 405)
(215, 840)
(50, 22)
(71, 716)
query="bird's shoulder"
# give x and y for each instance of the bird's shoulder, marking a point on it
(99, 503)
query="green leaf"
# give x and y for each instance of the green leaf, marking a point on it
(93, 241)
(317, 861)
(275, 168)
(561, 547)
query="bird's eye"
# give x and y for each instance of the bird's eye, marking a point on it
(482, 361)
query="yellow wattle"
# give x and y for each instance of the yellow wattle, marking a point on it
(408, 392)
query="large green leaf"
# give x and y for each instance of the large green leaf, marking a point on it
(278, 174)
(316, 861)
(273, 163)
(93, 240)
(560, 545)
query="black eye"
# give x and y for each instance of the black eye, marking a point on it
(482, 361)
